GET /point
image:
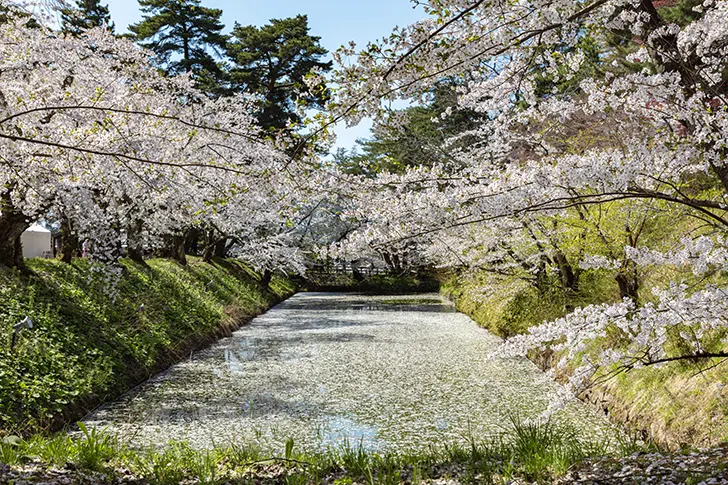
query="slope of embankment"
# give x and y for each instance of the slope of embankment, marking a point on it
(95, 335)
(680, 404)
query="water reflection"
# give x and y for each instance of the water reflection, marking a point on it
(344, 432)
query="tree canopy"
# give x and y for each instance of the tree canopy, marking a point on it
(554, 142)
(422, 136)
(273, 61)
(594, 115)
(184, 35)
(87, 14)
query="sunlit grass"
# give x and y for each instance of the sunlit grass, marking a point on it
(93, 340)
(532, 451)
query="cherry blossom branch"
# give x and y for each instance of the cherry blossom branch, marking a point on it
(92, 151)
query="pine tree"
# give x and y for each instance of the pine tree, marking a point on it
(417, 141)
(273, 61)
(86, 15)
(10, 13)
(183, 28)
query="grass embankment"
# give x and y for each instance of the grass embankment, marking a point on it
(675, 405)
(532, 452)
(92, 340)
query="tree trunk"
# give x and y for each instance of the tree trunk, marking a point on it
(210, 246)
(356, 273)
(722, 172)
(192, 241)
(569, 277)
(134, 246)
(69, 240)
(221, 248)
(135, 252)
(12, 225)
(628, 281)
(397, 263)
(391, 262)
(174, 249)
(178, 250)
(266, 278)
(186, 54)
(207, 253)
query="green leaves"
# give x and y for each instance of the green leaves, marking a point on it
(87, 14)
(289, 448)
(11, 440)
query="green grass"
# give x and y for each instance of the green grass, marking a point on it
(515, 306)
(394, 284)
(92, 340)
(676, 405)
(535, 452)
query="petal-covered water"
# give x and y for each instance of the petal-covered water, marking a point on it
(396, 373)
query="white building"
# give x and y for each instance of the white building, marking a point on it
(37, 242)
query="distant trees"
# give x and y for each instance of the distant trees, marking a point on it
(87, 14)
(272, 61)
(183, 28)
(418, 136)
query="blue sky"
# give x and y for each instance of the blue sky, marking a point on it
(336, 21)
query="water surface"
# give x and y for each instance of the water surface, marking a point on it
(399, 373)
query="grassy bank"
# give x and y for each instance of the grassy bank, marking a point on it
(92, 340)
(674, 405)
(532, 452)
(377, 284)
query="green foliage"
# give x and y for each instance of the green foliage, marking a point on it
(397, 284)
(273, 61)
(90, 342)
(95, 449)
(513, 306)
(159, 467)
(87, 14)
(679, 12)
(598, 56)
(420, 141)
(567, 82)
(532, 451)
(680, 403)
(12, 12)
(56, 450)
(377, 284)
(181, 28)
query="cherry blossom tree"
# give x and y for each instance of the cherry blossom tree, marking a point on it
(651, 106)
(89, 129)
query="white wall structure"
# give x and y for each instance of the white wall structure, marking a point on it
(37, 242)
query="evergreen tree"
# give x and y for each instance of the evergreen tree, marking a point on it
(10, 12)
(273, 61)
(679, 12)
(86, 15)
(418, 141)
(183, 28)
